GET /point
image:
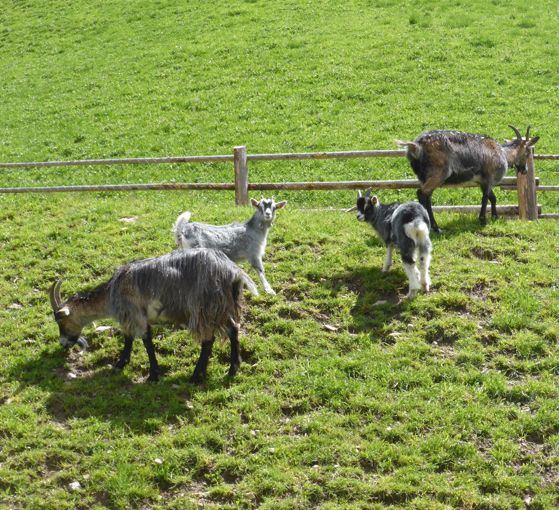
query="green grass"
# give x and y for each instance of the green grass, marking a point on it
(348, 397)
(159, 78)
(447, 401)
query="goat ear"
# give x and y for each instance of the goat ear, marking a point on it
(533, 141)
(281, 205)
(374, 200)
(412, 147)
(254, 202)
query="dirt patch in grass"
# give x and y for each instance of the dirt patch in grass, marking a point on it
(480, 290)
(485, 254)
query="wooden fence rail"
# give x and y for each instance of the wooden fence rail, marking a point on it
(526, 185)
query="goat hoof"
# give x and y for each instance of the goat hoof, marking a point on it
(270, 291)
(232, 372)
(153, 378)
(196, 379)
(411, 294)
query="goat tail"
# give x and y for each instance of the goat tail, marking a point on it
(182, 220)
(413, 148)
(418, 231)
(248, 283)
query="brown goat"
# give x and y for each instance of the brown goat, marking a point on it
(453, 157)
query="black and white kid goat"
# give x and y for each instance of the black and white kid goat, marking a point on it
(406, 226)
(453, 157)
(199, 288)
(246, 241)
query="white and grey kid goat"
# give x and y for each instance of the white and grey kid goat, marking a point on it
(453, 157)
(199, 288)
(246, 241)
(406, 226)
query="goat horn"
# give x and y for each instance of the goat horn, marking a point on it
(528, 134)
(368, 193)
(518, 135)
(54, 295)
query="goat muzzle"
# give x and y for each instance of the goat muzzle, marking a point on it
(70, 342)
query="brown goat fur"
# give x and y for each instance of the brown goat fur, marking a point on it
(454, 157)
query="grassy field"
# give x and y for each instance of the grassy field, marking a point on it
(447, 401)
(348, 396)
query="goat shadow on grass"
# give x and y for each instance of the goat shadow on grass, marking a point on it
(116, 397)
(380, 296)
(457, 224)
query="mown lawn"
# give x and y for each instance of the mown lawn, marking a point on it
(348, 396)
(160, 77)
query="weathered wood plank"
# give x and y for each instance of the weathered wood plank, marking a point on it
(526, 185)
(241, 175)
(333, 185)
(396, 153)
(121, 187)
(120, 161)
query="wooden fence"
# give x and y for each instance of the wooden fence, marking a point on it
(526, 185)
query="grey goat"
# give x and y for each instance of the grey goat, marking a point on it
(453, 157)
(406, 226)
(239, 241)
(199, 288)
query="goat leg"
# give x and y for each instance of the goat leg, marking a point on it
(425, 200)
(484, 199)
(257, 264)
(493, 200)
(125, 354)
(202, 364)
(235, 354)
(388, 259)
(150, 349)
(407, 250)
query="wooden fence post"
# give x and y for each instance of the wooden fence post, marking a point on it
(241, 175)
(526, 186)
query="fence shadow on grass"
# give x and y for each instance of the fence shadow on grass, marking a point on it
(122, 399)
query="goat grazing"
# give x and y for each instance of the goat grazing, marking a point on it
(405, 225)
(246, 241)
(453, 157)
(199, 288)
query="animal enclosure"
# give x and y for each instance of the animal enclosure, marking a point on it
(527, 185)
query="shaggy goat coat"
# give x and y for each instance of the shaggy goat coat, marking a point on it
(200, 288)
